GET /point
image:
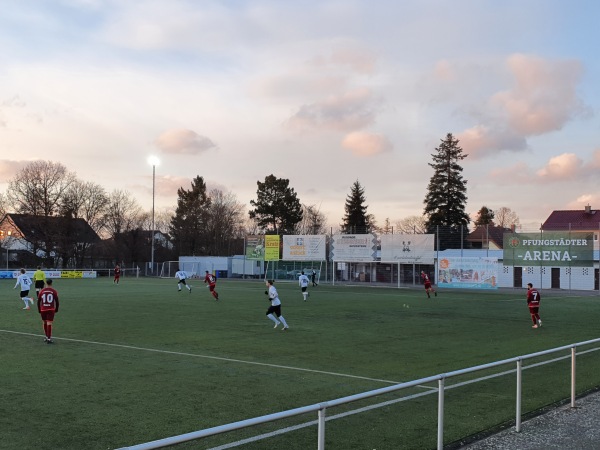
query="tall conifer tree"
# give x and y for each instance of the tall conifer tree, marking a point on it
(188, 226)
(277, 209)
(356, 219)
(447, 195)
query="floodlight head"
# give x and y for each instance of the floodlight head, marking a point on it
(153, 160)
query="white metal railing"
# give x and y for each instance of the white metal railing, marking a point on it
(321, 408)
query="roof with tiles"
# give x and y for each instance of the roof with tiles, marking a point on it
(488, 232)
(578, 219)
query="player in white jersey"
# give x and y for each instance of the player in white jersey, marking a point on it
(25, 283)
(303, 282)
(275, 308)
(181, 277)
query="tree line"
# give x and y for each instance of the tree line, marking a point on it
(215, 222)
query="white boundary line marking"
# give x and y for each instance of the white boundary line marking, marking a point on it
(217, 358)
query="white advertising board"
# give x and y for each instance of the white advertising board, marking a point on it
(303, 247)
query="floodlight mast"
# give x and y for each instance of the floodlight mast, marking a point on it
(153, 161)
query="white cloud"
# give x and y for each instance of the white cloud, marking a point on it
(594, 164)
(481, 140)
(583, 200)
(15, 102)
(517, 173)
(351, 110)
(183, 141)
(357, 60)
(366, 144)
(544, 96)
(567, 166)
(542, 99)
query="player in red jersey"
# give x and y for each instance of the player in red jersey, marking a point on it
(427, 284)
(212, 282)
(117, 274)
(533, 301)
(48, 306)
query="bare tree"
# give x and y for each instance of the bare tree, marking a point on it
(412, 225)
(386, 228)
(3, 204)
(162, 219)
(506, 217)
(39, 188)
(225, 216)
(250, 227)
(86, 200)
(313, 221)
(122, 213)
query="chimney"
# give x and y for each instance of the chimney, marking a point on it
(588, 209)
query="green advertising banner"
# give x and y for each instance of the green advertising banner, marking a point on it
(550, 248)
(255, 247)
(272, 247)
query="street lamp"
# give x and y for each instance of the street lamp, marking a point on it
(153, 161)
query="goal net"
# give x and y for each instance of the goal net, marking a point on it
(169, 268)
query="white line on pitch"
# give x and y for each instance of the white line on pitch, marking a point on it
(218, 358)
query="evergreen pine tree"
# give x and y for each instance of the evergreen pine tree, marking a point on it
(277, 209)
(188, 226)
(356, 220)
(485, 216)
(447, 195)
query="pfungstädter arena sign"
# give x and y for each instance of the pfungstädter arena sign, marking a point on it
(550, 248)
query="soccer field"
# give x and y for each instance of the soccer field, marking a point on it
(140, 361)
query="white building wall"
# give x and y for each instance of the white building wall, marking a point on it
(579, 278)
(505, 276)
(199, 264)
(540, 277)
(575, 278)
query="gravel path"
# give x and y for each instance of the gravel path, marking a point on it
(563, 428)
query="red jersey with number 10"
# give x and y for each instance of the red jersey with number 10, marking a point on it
(48, 300)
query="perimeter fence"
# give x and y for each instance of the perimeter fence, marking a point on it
(569, 372)
(543, 262)
(564, 257)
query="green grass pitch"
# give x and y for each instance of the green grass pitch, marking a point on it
(140, 361)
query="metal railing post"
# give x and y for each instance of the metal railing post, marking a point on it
(440, 433)
(321, 438)
(519, 393)
(321, 408)
(573, 363)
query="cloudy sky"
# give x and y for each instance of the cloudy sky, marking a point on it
(321, 92)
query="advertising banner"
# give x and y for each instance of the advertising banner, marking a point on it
(468, 273)
(550, 248)
(52, 274)
(71, 274)
(304, 247)
(272, 247)
(353, 247)
(407, 248)
(255, 247)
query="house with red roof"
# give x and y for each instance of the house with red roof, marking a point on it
(488, 237)
(586, 219)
